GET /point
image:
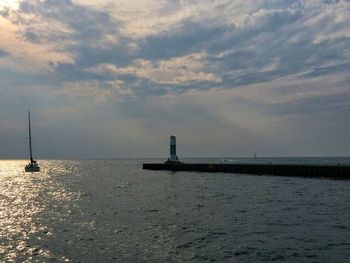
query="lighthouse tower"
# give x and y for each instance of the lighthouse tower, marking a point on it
(173, 157)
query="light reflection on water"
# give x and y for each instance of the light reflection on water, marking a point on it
(112, 210)
(23, 198)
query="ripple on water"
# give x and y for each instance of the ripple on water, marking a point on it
(102, 211)
(24, 199)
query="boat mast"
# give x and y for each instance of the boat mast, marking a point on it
(30, 140)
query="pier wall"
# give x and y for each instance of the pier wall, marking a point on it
(327, 171)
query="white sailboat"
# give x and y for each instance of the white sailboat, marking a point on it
(32, 166)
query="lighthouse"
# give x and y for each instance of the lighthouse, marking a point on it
(173, 157)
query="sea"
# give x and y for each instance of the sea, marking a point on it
(113, 211)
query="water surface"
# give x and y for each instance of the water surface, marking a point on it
(112, 210)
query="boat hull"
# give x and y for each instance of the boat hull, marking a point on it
(32, 169)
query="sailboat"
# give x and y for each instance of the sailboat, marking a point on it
(32, 166)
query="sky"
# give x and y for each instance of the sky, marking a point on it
(114, 79)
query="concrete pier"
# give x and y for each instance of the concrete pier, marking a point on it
(321, 171)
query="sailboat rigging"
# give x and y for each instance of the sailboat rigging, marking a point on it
(33, 165)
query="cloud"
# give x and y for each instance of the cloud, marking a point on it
(177, 70)
(99, 91)
(23, 53)
(243, 43)
(251, 74)
(3, 53)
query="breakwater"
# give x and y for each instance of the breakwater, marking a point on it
(325, 171)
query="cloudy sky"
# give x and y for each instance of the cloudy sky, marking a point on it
(107, 78)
